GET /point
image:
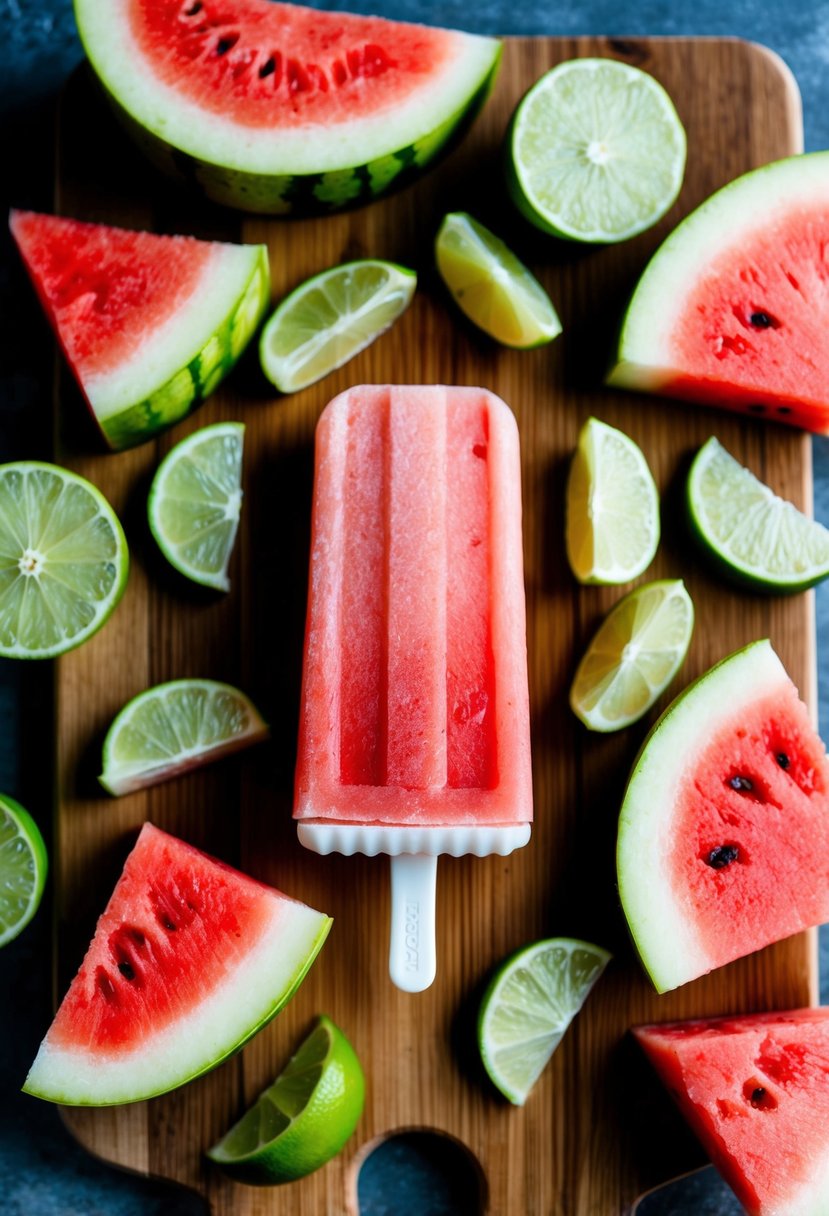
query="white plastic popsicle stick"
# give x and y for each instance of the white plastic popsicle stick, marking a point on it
(412, 959)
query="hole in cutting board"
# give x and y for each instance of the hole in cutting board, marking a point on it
(421, 1173)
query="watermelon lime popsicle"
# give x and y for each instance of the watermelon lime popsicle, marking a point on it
(414, 728)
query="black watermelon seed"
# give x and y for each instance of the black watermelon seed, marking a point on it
(267, 68)
(758, 1095)
(126, 970)
(741, 783)
(722, 856)
(761, 320)
(193, 9)
(783, 760)
(783, 409)
(226, 44)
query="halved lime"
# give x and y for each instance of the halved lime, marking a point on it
(637, 651)
(303, 1119)
(23, 867)
(195, 502)
(175, 727)
(330, 318)
(595, 152)
(612, 509)
(531, 1000)
(63, 560)
(492, 286)
(755, 536)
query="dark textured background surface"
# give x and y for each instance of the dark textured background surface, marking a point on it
(42, 1172)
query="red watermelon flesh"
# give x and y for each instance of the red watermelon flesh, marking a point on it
(723, 843)
(273, 65)
(755, 1091)
(189, 959)
(732, 309)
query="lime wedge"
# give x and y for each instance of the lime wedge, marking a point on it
(23, 867)
(491, 285)
(595, 152)
(635, 654)
(175, 727)
(63, 560)
(531, 1000)
(754, 536)
(612, 510)
(303, 1119)
(195, 502)
(330, 318)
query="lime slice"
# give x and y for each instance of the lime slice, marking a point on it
(596, 151)
(23, 867)
(195, 502)
(175, 727)
(491, 285)
(612, 512)
(303, 1119)
(756, 537)
(635, 654)
(531, 1000)
(330, 318)
(63, 560)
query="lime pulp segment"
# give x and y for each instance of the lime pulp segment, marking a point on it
(530, 1002)
(174, 727)
(612, 507)
(23, 867)
(633, 657)
(596, 151)
(758, 537)
(63, 560)
(330, 318)
(303, 1119)
(196, 500)
(492, 286)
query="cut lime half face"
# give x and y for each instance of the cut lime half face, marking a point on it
(303, 1119)
(492, 286)
(63, 560)
(196, 500)
(595, 152)
(175, 727)
(23, 867)
(330, 318)
(531, 1000)
(753, 535)
(612, 507)
(637, 651)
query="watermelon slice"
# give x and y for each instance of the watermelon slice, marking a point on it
(732, 310)
(189, 960)
(150, 324)
(724, 831)
(755, 1090)
(278, 108)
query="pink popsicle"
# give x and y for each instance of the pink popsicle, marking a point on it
(414, 700)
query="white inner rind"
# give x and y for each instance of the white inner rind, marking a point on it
(716, 228)
(661, 917)
(810, 1198)
(392, 840)
(341, 143)
(200, 1038)
(157, 356)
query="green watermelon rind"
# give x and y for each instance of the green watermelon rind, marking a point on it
(197, 379)
(667, 947)
(65, 1098)
(283, 192)
(641, 361)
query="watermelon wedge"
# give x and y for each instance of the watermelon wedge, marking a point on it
(723, 840)
(755, 1091)
(189, 960)
(150, 324)
(732, 310)
(278, 108)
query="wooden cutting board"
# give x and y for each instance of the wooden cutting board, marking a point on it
(597, 1130)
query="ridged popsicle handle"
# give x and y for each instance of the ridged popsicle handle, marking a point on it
(412, 946)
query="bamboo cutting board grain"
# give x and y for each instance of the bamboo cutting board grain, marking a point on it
(597, 1130)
